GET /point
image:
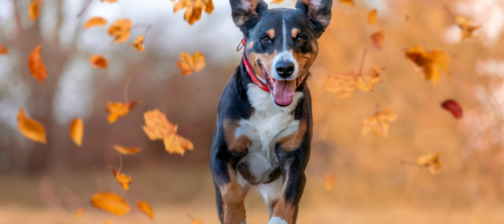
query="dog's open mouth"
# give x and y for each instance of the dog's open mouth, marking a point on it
(283, 90)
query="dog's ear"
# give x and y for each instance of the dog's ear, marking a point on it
(246, 13)
(318, 12)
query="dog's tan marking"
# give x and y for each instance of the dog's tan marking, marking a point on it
(239, 144)
(233, 199)
(283, 209)
(271, 33)
(250, 45)
(292, 141)
(266, 60)
(295, 32)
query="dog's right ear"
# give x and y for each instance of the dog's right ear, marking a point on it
(247, 12)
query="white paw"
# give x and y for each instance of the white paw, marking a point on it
(276, 220)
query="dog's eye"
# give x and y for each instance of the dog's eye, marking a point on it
(300, 39)
(266, 39)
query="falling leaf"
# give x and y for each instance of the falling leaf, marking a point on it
(80, 213)
(3, 50)
(118, 110)
(110, 202)
(453, 107)
(127, 151)
(344, 85)
(109, 1)
(146, 208)
(431, 162)
(329, 182)
(120, 30)
(191, 64)
(372, 17)
(377, 39)
(433, 63)
(466, 29)
(30, 128)
(36, 65)
(157, 127)
(347, 2)
(194, 9)
(124, 180)
(77, 131)
(378, 122)
(276, 2)
(95, 21)
(138, 45)
(367, 81)
(98, 61)
(34, 9)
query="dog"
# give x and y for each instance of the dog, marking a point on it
(264, 120)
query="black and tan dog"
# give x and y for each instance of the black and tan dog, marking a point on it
(264, 122)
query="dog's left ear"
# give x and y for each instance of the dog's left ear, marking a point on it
(318, 12)
(246, 13)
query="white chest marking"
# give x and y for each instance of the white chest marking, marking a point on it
(268, 124)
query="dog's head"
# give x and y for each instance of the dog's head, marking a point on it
(281, 43)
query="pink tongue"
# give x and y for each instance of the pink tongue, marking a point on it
(284, 92)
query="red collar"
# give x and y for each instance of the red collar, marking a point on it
(254, 78)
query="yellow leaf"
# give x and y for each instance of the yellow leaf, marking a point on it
(466, 29)
(431, 162)
(372, 17)
(378, 122)
(127, 151)
(3, 50)
(276, 1)
(109, 1)
(98, 61)
(95, 21)
(367, 81)
(124, 180)
(30, 128)
(34, 9)
(146, 208)
(329, 182)
(377, 39)
(120, 30)
(347, 2)
(190, 64)
(138, 45)
(110, 202)
(343, 85)
(118, 110)
(77, 131)
(80, 213)
(36, 65)
(194, 9)
(433, 63)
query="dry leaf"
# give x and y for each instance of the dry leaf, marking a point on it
(344, 85)
(30, 128)
(77, 131)
(347, 2)
(109, 1)
(191, 64)
(36, 65)
(329, 182)
(453, 107)
(34, 9)
(95, 21)
(120, 30)
(146, 208)
(3, 50)
(433, 63)
(138, 45)
(276, 2)
(110, 202)
(194, 9)
(372, 17)
(377, 39)
(466, 29)
(80, 213)
(378, 122)
(127, 151)
(124, 180)
(157, 127)
(367, 81)
(431, 162)
(98, 61)
(117, 110)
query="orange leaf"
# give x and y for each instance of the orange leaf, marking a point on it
(344, 85)
(3, 50)
(98, 61)
(372, 17)
(110, 202)
(118, 110)
(276, 1)
(109, 1)
(378, 122)
(30, 128)
(146, 208)
(433, 63)
(120, 30)
(190, 64)
(34, 9)
(157, 127)
(329, 182)
(77, 131)
(36, 65)
(194, 9)
(431, 162)
(80, 213)
(367, 81)
(124, 180)
(195, 221)
(377, 39)
(127, 151)
(95, 21)
(466, 29)
(138, 45)
(347, 2)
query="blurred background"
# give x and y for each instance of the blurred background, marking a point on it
(47, 183)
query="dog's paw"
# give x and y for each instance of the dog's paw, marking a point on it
(276, 220)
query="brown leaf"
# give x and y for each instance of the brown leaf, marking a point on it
(372, 17)
(3, 50)
(120, 30)
(377, 39)
(34, 9)
(138, 45)
(127, 151)
(98, 61)
(124, 180)
(378, 122)
(146, 208)
(30, 128)
(194, 9)
(117, 110)
(347, 2)
(466, 29)
(110, 202)
(36, 65)
(190, 64)
(77, 131)
(95, 21)
(329, 182)
(431, 162)
(453, 107)
(80, 213)
(433, 63)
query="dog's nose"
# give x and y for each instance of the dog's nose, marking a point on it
(284, 68)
